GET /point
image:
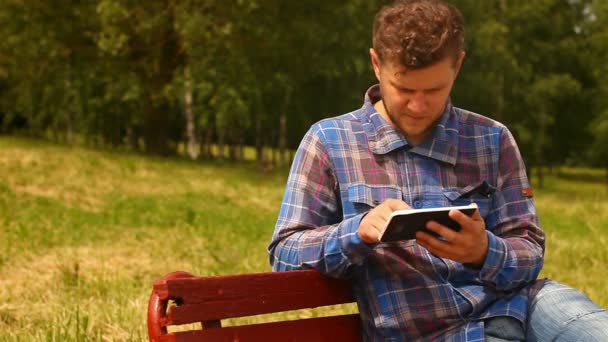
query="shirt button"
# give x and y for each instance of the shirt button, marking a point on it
(417, 204)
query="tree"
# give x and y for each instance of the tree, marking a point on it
(599, 129)
(153, 75)
(142, 39)
(597, 27)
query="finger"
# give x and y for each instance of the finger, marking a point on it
(380, 212)
(447, 233)
(477, 215)
(462, 219)
(369, 236)
(379, 217)
(424, 238)
(395, 204)
(377, 221)
(433, 244)
(372, 225)
(385, 210)
(371, 231)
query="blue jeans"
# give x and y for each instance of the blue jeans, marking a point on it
(557, 313)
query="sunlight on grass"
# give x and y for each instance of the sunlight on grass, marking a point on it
(85, 233)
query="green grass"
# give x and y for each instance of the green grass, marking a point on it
(573, 208)
(83, 234)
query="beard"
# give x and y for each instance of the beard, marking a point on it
(414, 132)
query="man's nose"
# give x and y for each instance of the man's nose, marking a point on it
(417, 104)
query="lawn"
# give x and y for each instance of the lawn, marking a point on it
(83, 233)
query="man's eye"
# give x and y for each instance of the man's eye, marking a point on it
(434, 90)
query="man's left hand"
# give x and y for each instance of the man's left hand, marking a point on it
(470, 245)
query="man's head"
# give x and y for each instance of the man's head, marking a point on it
(418, 33)
(417, 53)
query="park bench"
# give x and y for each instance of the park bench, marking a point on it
(180, 298)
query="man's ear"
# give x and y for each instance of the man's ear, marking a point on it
(458, 63)
(375, 62)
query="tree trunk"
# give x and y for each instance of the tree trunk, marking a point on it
(190, 120)
(539, 148)
(283, 128)
(132, 139)
(241, 149)
(83, 91)
(208, 142)
(259, 145)
(232, 151)
(283, 139)
(35, 127)
(156, 137)
(272, 148)
(221, 134)
(540, 176)
(69, 127)
(170, 57)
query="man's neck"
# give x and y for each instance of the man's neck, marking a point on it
(381, 109)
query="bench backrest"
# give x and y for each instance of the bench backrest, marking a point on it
(210, 299)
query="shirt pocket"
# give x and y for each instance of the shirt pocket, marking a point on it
(480, 193)
(365, 197)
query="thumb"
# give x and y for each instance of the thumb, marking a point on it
(395, 204)
(477, 215)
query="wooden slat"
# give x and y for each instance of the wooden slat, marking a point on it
(210, 298)
(336, 328)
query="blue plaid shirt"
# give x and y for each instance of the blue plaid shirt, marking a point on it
(349, 164)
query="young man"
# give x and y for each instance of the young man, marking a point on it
(408, 146)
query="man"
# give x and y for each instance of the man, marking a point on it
(408, 146)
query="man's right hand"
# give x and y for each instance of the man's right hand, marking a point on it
(371, 225)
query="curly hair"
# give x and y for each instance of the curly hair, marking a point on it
(417, 33)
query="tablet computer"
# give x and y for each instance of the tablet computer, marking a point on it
(403, 224)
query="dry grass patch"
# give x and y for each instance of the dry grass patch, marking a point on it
(87, 179)
(100, 283)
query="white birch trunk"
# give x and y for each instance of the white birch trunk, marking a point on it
(191, 149)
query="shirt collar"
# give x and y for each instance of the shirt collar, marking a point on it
(441, 144)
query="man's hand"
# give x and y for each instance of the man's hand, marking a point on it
(470, 245)
(371, 225)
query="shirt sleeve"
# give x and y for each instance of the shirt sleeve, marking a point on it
(516, 240)
(310, 231)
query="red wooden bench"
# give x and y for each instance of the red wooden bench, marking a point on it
(180, 298)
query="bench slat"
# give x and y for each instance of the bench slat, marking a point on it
(211, 298)
(208, 300)
(335, 328)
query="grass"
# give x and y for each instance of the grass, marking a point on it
(573, 208)
(83, 234)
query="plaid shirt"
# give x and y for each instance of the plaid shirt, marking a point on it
(349, 164)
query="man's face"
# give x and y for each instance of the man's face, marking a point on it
(414, 100)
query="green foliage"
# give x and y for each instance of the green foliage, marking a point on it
(111, 72)
(530, 66)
